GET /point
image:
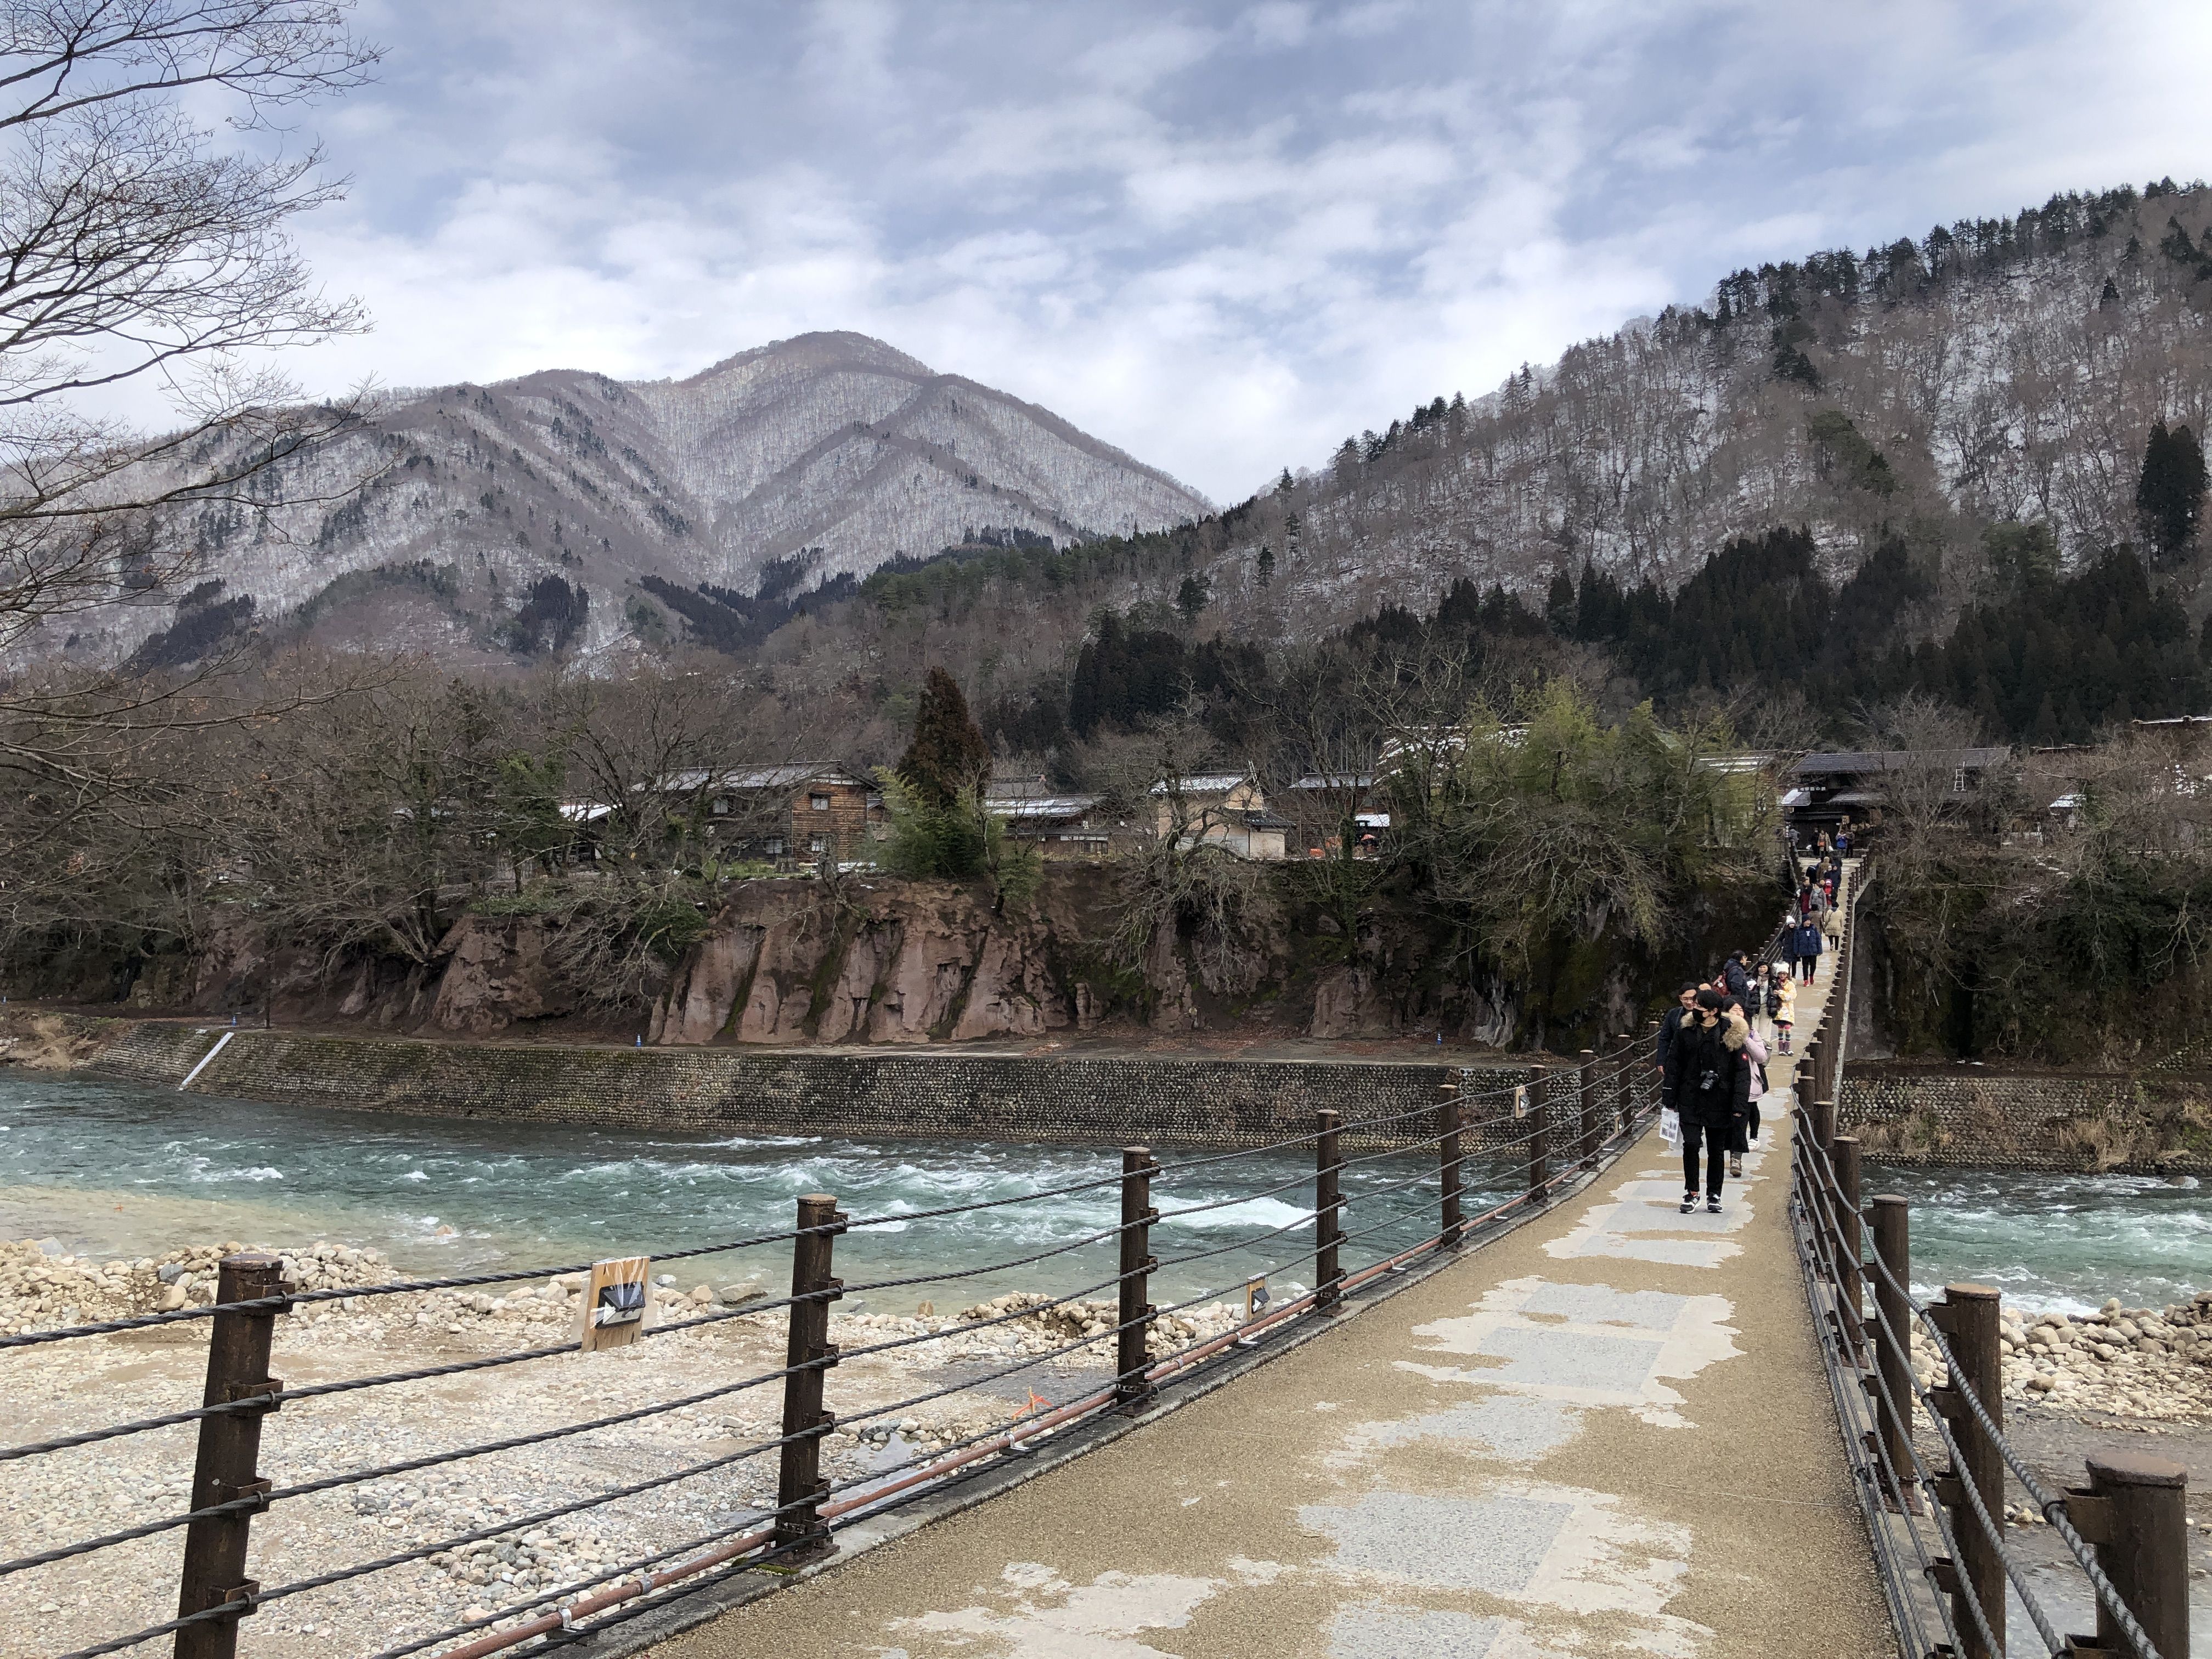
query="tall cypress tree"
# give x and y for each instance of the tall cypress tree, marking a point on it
(2170, 495)
(948, 757)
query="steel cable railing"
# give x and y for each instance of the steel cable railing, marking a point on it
(1550, 1151)
(1972, 1558)
(1826, 1192)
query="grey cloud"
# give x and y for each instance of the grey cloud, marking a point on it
(1219, 236)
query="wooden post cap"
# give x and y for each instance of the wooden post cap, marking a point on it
(2135, 1470)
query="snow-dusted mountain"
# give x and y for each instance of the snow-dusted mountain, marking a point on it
(1994, 370)
(813, 456)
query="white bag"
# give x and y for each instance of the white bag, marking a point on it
(1670, 1126)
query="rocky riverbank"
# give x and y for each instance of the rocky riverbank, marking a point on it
(67, 1387)
(2139, 1362)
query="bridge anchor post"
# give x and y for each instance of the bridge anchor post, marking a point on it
(1133, 1353)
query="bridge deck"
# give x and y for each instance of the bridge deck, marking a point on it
(1605, 1433)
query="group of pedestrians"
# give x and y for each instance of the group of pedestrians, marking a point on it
(1814, 923)
(1714, 1043)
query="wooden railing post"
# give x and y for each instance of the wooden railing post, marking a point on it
(1591, 1140)
(1538, 1132)
(1329, 1271)
(1968, 1317)
(1849, 1243)
(224, 1472)
(2134, 1510)
(1892, 1248)
(800, 1532)
(1451, 1228)
(1133, 1353)
(1805, 1081)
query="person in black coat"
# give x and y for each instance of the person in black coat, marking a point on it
(1685, 1001)
(1805, 945)
(1736, 976)
(1708, 1084)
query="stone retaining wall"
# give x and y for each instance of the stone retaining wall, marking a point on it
(2149, 1123)
(1075, 1099)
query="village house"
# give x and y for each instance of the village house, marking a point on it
(1227, 808)
(1320, 802)
(796, 812)
(1060, 825)
(1852, 786)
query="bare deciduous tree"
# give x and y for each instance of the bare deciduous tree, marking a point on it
(139, 249)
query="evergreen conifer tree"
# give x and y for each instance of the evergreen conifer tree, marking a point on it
(948, 757)
(1191, 597)
(2170, 495)
(1560, 607)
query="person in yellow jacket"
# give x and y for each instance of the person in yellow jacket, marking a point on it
(1785, 1008)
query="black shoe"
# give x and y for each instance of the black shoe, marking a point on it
(1689, 1202)
(1712, 1206)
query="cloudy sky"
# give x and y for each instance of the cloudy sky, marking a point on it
(1221, 236)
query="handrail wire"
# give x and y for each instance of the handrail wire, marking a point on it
(1902, 1605)
(285, 1300)
(1981, 1514)
(2052, 1507)
(282, 1301)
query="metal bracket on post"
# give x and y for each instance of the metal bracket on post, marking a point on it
(1328, 1203)
(800, 1534)
(1132, 1354)
(229, 1446)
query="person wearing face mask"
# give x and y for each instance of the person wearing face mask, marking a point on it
(1708, 1084)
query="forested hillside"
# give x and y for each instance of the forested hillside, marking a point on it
(1966, 464)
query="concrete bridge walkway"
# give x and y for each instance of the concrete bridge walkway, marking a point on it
(1606, 1433)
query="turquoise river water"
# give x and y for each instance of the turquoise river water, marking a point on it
(115, 1169)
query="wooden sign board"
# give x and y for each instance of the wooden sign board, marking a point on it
(1521, 1100)
(1256, 1299)
(615, 1301)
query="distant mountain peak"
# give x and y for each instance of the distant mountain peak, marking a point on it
(827, 454)
(823, 349)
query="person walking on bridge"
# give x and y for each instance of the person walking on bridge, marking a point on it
(1708, 1084)
(1686, 1001)
(1805, 948)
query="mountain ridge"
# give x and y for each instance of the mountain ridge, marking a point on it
(833, 451)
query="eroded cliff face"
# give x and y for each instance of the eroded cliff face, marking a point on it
(882, 963)
(793, 962)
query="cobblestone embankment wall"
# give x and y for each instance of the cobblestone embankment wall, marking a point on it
(1074, 1099)
(2151, 1122)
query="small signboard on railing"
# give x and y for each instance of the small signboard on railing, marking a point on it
(615, 1301)
(1521, 1100)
